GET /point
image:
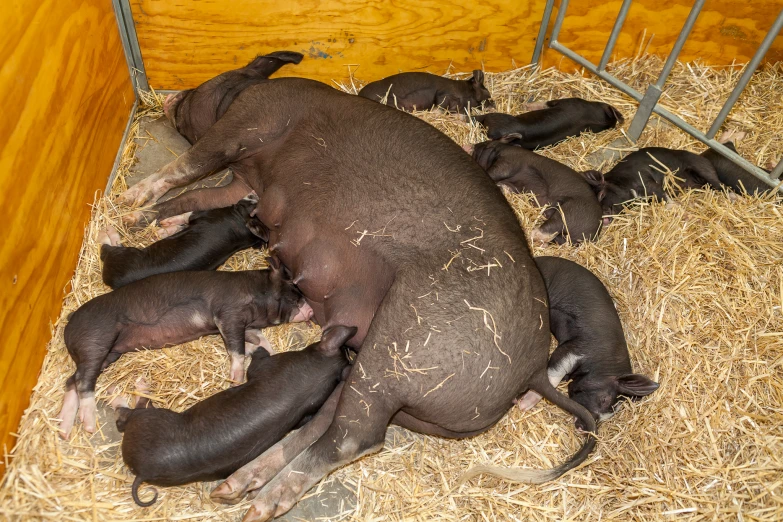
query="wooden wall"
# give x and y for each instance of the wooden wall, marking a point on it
(66, 96)
(185, 42)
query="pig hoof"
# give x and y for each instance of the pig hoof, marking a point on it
(133, 218)
(771, 164)
(68, 413)
(165, 232)
(535, 106)
(732, 135)
(181, 219)
(528, 400)
(225, 494)
(87, 411)
(537, 236)
(109, 236)
(237, 374)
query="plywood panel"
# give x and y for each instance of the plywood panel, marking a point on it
(185, 42)
(726, 30)
(66, 98)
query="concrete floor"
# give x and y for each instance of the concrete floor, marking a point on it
(158, 144)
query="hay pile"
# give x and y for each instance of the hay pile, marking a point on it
(699, 287)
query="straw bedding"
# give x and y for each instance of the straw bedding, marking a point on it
(698, 285)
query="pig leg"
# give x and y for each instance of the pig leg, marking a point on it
(264, 468)
(254, 340)
(732, 135)
(353, 433)
(193, 201)
(237, 135)
(109, 236)
(233, 334)
(562, 362)
(69, 408)
(91, 359)
(535, 106)
(553, 227)
(172, 225)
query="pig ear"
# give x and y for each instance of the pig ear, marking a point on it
(478, 77)
(594, 178)
(274, 264)
(257, 228)
(508, 138)
(635, 385)
(335, 337)
(614, 113)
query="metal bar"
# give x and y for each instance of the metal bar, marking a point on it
(716, 145)
(653, 93)
(747, 74)
(118, 158)
(618, 26)
(542, 31)
(678, 45)
(777, 171)
(130, 42)
(568, 53)
(561, 11)
(125, 42)
(673, 118)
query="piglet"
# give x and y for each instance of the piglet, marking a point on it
(420, 91)
(552, 122)
(209, 238)
(194, 111)
(218, 435)
(731, 174)
(573, 210)
(591, 348)
(169, 309)
(641, 175)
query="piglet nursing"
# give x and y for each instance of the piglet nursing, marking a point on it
(220, 434)
(591, 350)
(199, 241)
(170, 309)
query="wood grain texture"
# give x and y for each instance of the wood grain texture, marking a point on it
(66, 97)
(185, 42)
(725, 31)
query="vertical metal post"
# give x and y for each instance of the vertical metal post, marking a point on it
(618, 25)
(746, 75)
(561, 12)
(653, 93)
(777, 171)
(130, 44)
(542, 31)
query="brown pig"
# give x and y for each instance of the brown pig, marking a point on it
(550, 122)
(209, 238)
(169, 309)
(573, 210)
(218, 435)
(420, 91)
(592, 352)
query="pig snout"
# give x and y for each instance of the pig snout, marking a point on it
(305, 313)
(170, 103)
(468, 148)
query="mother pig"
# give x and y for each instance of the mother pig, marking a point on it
(385, 224)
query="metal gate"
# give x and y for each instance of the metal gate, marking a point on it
(648, 102)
